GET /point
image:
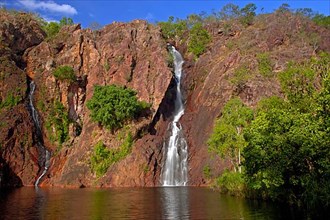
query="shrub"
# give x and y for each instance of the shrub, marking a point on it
(100, 159)
(207, 171)
(64, 73)
(103, 157)
(113, 105)
(264, 64)
(231, 182)
(57, 123)
(241, 75)
(10, 101)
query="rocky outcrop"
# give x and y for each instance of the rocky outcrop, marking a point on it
(18, 155)
(211, 81)
(131, 55)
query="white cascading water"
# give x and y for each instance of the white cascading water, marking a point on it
(44, 156)
(175, 170)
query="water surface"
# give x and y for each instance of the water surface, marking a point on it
(134, 203)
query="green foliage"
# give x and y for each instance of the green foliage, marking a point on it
(207, 172)
(10, 101)
(173, 29)
(293, 136)
(66, 21)
(52, 28)
(227, 138)
(100, 159)
(241, 75)
(264, 64)
(322, 20)
(198, 39)
(57, 123)
(113, 105)
(64, 73)
(297, 82)
(103, 157)
(231, 182)
(248, 14)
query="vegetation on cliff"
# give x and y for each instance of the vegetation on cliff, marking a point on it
(52, 28)
(190, 31)
(103, 157)
(286, 145)
(64, 73)
(113, 105)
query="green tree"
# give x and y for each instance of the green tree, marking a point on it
(322, 20)
(173, 29)
(52, 28)
(229, 11)
(66, 21)
(297, 81)
(227, 138)
(113, 105)
(248, 13)
(198, 39)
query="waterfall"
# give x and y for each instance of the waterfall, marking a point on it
(44, 154)
(175, 169)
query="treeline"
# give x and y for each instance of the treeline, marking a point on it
(192, 31)
(281, 149)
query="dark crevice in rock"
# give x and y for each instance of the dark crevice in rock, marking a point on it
(166, 107)
(81, 52)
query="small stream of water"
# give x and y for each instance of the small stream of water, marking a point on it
(44, 154)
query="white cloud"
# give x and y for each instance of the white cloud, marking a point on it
(91, 15)
(50, 6)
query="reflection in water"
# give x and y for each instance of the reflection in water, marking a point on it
(174, 202)
(134, 203)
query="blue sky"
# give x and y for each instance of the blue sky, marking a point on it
(107, 11)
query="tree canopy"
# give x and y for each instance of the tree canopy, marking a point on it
(113, 105)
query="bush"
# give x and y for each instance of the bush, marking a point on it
(207, 172)
(100, 159)
(113, 105)
(241, 75)
(57, 123)
(231, 182)
(103, 157)
(264, 64)
(10, 101)
(64, 73)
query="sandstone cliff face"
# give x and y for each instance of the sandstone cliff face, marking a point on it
(211, 81)
(18, 155)
(131, 55)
